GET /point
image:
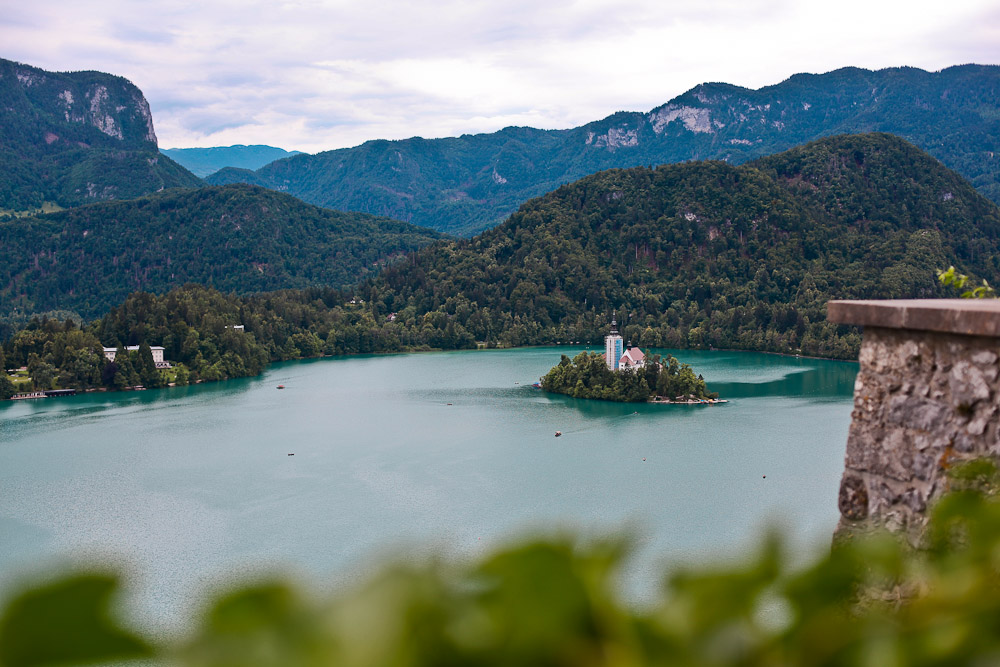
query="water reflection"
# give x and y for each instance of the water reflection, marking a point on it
(829, 380)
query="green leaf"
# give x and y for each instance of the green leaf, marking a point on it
(66, 622)
(268, 624)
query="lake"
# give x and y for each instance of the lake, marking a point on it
(408, 455)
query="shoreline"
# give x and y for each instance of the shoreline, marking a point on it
(422, 350)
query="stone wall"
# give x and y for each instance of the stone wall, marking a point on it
(926, 397)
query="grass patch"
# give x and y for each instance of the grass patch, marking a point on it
(46, 207)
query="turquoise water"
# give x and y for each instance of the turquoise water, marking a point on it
(408, 455)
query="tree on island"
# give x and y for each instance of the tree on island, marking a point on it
(587, 376)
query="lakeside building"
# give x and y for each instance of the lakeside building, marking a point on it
(618, 356)
(109, 354)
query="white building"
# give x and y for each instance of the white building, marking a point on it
(109, 353)
(618, 358)
(633, 358)
(613, 346)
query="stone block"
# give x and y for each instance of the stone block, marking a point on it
(919, 413)
(967, 384)
(853, 498)
(984, 358)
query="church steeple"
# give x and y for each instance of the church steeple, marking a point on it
(613, 344)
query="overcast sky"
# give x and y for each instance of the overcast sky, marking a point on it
(319, 74)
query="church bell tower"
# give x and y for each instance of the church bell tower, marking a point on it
(613, 345)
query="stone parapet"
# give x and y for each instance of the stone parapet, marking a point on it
(926, 397)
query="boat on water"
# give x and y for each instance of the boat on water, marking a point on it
(28, 394)
(48, 393)
(281, 386)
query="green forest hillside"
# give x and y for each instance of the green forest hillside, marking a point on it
(708, 254)
(236, 238)
(469, 183)
(72, 138)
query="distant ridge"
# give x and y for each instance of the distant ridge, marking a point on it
(77, 137)
(469, 183)
(204, 161)
(236, 238)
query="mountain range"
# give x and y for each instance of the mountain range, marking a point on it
(204, 161)
(741, 251)
(466, 184)
(78, 137)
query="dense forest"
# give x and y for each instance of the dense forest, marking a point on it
(196, 326)
(587, 376)
(72, 138)
(236, 238)
(708, 254)
(465, 184)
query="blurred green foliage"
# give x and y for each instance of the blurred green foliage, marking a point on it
(67, 621)
(951, 278)
(872, 601)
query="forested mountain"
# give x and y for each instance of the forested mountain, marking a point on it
(231, 175)
(707, 253)
(77, 137)
(469, 183)
(204, 161)
(690, 255)
(236, 238)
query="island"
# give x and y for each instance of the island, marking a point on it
(626, 375)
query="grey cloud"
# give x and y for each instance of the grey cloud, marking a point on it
(320, 74)
(975, 41)
(127, 32)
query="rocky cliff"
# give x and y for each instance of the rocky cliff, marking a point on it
(71, 138)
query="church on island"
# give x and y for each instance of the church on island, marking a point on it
(618, 358)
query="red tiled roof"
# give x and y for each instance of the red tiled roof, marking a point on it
(632, 357)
